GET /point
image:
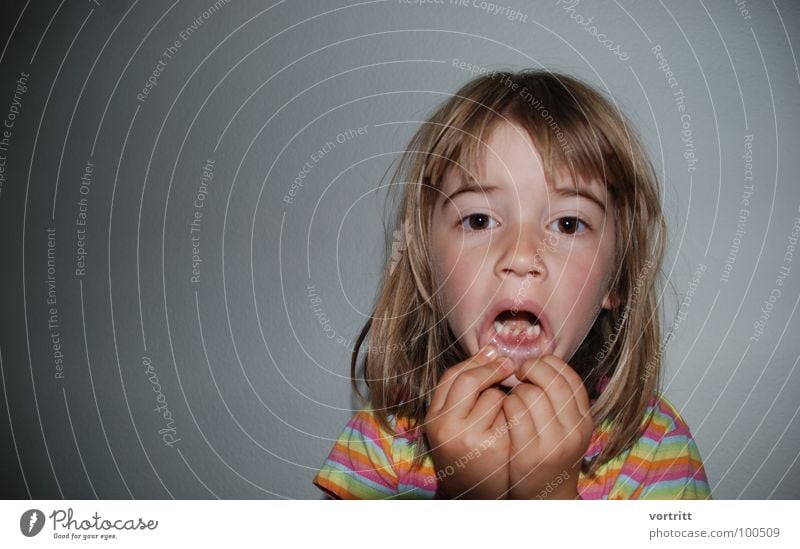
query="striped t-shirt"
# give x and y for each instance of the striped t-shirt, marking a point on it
(367, 462)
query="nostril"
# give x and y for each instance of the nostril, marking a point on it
(526, 270)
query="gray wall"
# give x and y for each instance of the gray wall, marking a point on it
(230, 385)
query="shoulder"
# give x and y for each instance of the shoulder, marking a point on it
(662, 463)
(359, 466)
(368, 461)
(665, 437)
(667, 456)
(366, 423)
(663, 421)
(666, 433)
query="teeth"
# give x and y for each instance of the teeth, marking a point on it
(531, 331)
(501, 328)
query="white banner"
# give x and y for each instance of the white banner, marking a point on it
(349, 524)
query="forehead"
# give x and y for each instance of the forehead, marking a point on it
(509, 152)
(509, 157)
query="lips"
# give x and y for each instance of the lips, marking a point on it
(519, 329)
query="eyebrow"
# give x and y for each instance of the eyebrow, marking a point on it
(582, 192)
(468, 188)
(486, 189)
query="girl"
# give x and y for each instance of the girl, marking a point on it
(514, 348)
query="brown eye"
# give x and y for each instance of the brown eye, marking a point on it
(570, 225)
(477, 222)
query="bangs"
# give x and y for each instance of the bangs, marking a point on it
(554, 111)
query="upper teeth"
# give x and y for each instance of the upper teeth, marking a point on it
(531, 331)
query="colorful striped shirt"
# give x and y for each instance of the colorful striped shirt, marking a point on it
(367, 462)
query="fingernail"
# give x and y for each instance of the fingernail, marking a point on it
(490, 351)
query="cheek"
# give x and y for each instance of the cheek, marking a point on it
(450, 263)
(457, 281)
(586, 279)
(446, 279)
(453, 284)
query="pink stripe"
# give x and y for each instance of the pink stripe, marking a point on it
(593, 491)
(674, 473)
(365, 427)
(371, 475)
(370, 430)
(636, 474)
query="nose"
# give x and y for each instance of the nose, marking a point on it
(522, 253)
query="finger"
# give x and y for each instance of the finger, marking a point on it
(469, 384)
(500, 425)
(548, 428)
(554, 434)
(580, 397)
(485, 411)
(521, 427)
(575, 381)
(484, 356)
(548, 373)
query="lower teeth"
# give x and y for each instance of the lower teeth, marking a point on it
(531, 331)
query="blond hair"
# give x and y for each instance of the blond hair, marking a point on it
(574, 128)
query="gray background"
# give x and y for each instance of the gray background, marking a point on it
(253, 372)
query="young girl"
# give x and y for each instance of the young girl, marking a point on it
(514, 351)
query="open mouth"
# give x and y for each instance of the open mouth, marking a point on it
(519, 334)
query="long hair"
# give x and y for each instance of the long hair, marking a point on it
(575, 128)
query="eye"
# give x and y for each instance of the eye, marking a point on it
(570, 225)
(477, 222)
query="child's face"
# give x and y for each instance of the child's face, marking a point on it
(519, 245)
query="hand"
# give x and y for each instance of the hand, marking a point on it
(550, 430)
(465, 427)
